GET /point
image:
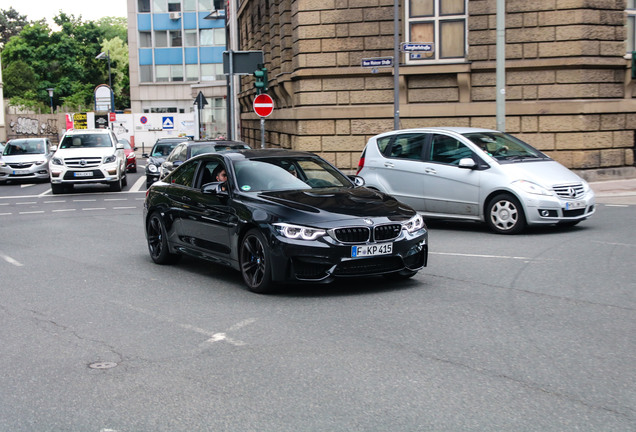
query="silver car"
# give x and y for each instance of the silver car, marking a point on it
(26, 159)
(475, 174)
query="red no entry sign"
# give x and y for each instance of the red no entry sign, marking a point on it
(263, 105)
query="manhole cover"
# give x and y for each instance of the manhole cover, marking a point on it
(102, 365)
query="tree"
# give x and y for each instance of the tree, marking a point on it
(65, 59)
(18, 77)
(11, 24)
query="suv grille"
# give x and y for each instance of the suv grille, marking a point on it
(21, 165)
(571, 191)
(78, 162)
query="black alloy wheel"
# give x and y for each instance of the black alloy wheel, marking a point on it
(255, 262)
(158, 241)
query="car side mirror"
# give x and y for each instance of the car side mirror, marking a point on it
(467, 163)
(357, 180)
(215, 188)
(177, 163)
(144, 155)
(52, 149)
(119, 146)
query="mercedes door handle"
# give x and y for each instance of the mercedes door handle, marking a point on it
(388, 164)
(430, 171)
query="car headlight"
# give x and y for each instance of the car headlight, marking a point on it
(531, 188)
(295, 231)
(3, 164)
(110, 159)
(416, 223)
(57, 161)
(131, 156)
(40, 162)
(152, 168)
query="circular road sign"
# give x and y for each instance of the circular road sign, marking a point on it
(263, 105)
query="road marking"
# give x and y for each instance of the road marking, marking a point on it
(63, 210)
(10, 260)
(84, 200)
(138, 184)
(615, 205)
(212, 336)
(5, 214)
(32, 212)
(24, 203)
(93, 208)
(124, 208)
(115, 199)
(484, 256)
(54, 202)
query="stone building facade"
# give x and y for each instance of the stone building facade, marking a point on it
(568, 79)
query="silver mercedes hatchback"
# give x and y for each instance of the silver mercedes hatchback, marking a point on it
(475, 174)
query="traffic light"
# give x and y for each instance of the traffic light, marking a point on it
(260, 82)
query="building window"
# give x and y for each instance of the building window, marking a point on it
(174, 6)
(143, 6)
(145, 39)
(163, 73)
(175, 38)
(631, 25)
(145, 73)
(190, 38)
(211, 72)
(176, 72)
(159, 6)
(441, 22)
(192, 72)
(213, 37)
(190, 5)
(161, 39)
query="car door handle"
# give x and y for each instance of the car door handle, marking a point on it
(185, 198)
(430, 171)
(388, 164)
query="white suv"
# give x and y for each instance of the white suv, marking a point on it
(88, 156)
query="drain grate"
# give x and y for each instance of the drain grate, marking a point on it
(102, 365)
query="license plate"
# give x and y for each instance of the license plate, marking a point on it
(371, 250)
(571, 205)
(83, 174)
(20, 172)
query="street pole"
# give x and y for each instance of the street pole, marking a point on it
(396, 64)
(500, 66)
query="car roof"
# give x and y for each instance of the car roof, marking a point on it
(172, 139)
(87, 131)
(266, 153)
(458, 130)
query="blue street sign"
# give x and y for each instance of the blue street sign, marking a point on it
(167, 123)
(377, 62)
(417, 47)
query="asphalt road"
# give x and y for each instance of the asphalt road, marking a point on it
(533, 332)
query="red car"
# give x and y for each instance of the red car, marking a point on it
(131, 157)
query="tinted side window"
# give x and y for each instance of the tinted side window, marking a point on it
(408, 146)
(383, 144)
(184, 175)
(448, 150)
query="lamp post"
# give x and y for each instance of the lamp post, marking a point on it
(106, 55)
(50, 90)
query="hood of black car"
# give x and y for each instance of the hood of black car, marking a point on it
(358, 202)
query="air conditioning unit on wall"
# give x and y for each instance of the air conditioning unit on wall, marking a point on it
(175, 15)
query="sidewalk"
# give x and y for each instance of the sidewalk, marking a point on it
(614, 188)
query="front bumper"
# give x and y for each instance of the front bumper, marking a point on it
(33, 172)
(554, 210)
(323, 260)
(106, 173)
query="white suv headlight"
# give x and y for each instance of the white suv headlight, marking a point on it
(295, 231)
(110, 159)
(57, 161)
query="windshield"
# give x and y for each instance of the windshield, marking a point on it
(504, 147)
(86, 140)
(258, 175)
(163, 150)
(21, 147)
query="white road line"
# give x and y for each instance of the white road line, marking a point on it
(485, 256)
(32, 212)
(84, 200)
(10, 260)
(5, 214)
(116, 199)
(124, 208)
(138, 184)
(63, 210)
(93, 208)
(25, 203)
(54, 202)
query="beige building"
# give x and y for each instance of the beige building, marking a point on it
(569, 90)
